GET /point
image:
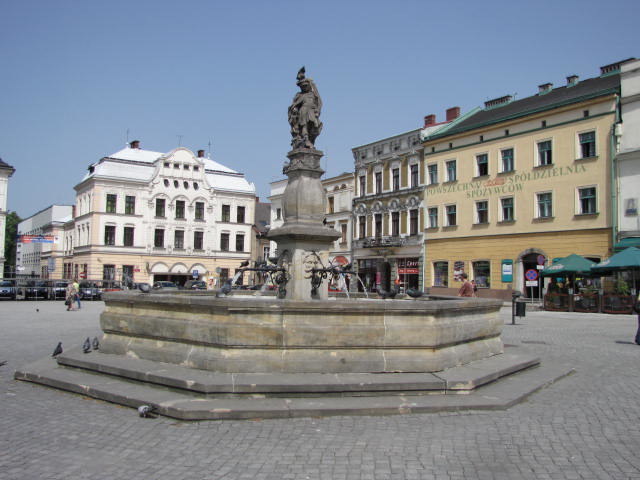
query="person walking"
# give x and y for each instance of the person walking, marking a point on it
(76, 286)
(70, 296)
(466, 290)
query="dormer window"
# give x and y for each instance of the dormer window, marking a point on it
(176, 165)
(186, 167)
(196, 168)
(167, 164)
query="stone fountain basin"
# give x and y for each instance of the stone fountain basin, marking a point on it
(266, 335)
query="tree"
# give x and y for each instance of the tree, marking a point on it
(11, 231)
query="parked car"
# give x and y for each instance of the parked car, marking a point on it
(90, 291)
(168, 286)
(59, 290)
(8, 289)
(195, 285)
(36, 289)
(110, 286)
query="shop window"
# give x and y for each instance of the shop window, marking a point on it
(224, 275)
(482, 273)
(108, 272)
(440, 274)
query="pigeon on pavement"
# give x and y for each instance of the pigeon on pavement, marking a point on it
(58, 350)
(86, 346)
(96, 343)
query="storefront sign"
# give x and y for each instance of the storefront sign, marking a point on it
(36, 238)
(507, 270)
(498, 186)
(458, 270)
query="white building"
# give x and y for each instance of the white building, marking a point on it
(40, 251)
(146, 216)
(5, 172)
(628, 158)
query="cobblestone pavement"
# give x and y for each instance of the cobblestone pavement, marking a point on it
(586, 426)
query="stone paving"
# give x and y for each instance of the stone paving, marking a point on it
(586, 426)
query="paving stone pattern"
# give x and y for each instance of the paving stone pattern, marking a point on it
(586, 426)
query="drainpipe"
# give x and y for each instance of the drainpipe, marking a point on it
(614, 177)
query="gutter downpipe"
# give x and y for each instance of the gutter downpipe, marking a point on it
(614, 178)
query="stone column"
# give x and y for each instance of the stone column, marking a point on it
(303, 241)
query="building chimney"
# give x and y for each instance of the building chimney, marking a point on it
(200, 153)
(614, 67)
(544, 88)
(498, 102)
(135, 144)
(429, 120)
(572, 80)
(453, 113)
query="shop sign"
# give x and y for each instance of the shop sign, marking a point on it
(507, 270)
(458, 270)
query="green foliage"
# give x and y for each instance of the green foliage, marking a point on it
(12, 221)
(622, 287)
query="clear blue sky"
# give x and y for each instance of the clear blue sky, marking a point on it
(77, 74)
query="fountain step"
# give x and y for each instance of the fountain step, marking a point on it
(189, 405)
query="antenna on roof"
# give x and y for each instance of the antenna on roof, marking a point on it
(209, 154)
(127, 137)
(179, 140)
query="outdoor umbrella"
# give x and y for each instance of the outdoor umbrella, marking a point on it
(628, 259)
(570, 265)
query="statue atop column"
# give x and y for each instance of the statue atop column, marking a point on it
(304, 113)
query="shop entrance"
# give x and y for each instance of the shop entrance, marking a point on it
(178, 278)
(531, 280)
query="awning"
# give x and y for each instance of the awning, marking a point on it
(572, 264)
(626, 243)
(628, 259)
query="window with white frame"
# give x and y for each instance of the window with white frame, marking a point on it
(482, 165)
(482, 273)
(587, 142)
(440, 274)
(363, 185)
(396, 178)
(452, 175)
(482, 211)
(378, 178)
(545, 153)
(432, 171)
(413, 222)
(544, 204)
(506, 209)
(507, 160)
(587, 200)
(451, 215)
(362, 226)
(378, 225)
(433, 217)
(414, 176)
(395, 224)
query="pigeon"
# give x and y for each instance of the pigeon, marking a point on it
(86, 346)
(58, 350)
(244, 264)
(146, 411)
(414, 293)
(384, 294)
(3, 362)
(37, 309)
(96, 344)
(225, 289)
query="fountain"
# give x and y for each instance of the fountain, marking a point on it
(199, 356)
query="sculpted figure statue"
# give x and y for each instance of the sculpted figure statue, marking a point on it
(304, 113)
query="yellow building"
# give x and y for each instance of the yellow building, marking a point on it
(518, 183)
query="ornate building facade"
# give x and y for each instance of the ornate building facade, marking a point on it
(146, 216)
(6, 171)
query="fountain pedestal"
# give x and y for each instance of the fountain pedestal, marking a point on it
(303, 241)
